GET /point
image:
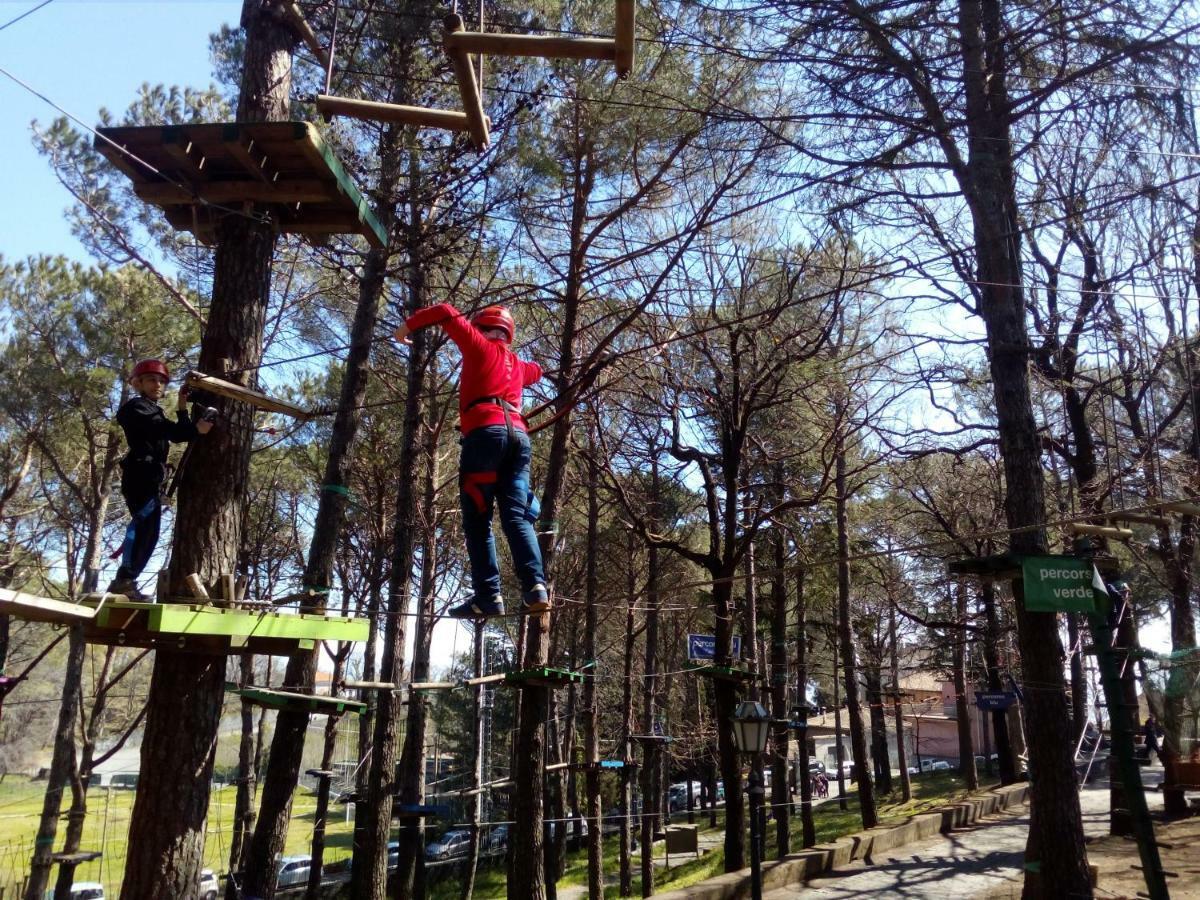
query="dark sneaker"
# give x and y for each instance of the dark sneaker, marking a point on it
(537, 600)
(478, 608)
(127, 587)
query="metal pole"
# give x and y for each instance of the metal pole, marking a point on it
(755, 790)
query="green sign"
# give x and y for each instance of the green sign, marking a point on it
(1060, 584)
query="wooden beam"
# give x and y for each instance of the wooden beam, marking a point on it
(468, 87)
(433, 685)
(557, 767)
(535, 45)
(184, 152)
(369, 685)
(233, 391)
(300, 25)
(625, 24)
(253, 160)
(1119, 534)
(196, 586)
(368, 110)
(291, 191)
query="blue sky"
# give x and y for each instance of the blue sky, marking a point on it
(84, 55)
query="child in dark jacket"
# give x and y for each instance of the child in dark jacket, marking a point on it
(149, 434)
(494, 465)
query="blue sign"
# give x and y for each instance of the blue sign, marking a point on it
(704, 646)
(995, 700)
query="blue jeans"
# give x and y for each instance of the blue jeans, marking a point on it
(494, 469)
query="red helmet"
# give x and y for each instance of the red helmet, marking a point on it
(150, 367)
(495, 317)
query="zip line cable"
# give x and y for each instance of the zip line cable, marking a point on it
(28, 12)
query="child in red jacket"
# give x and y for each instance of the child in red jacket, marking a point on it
(494, 465)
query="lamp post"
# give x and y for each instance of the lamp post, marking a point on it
(750, 726)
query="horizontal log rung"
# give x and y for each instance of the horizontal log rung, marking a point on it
(371, 111)
(541, 46)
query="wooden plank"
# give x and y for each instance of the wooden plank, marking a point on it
(33, 608)
(187, 156)
(530, 45)
(370, 111)
(626, 11)
(244, 394)
(468, 87)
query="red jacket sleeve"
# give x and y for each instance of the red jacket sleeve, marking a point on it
(531, 372)
(454, 323)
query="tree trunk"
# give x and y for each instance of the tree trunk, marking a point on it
(591, 713)
(966, 749)
(291, 726)
(473, 807)
(880, 758)
(991, 659)
(858, 743)
(897, 710)
(625, 887)
(780, 789)
(651, 789)
(806, 818)
(243, 809)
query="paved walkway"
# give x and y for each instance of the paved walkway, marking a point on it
(965, 863)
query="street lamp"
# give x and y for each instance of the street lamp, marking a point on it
(750, 726)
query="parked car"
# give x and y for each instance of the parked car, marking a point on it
(83, 890)
(940, 765)
(449, 845)
(497, 838)
(292, 870)
(393, 854)
(128, 780)
(677, 796)
(816, 767)
(209, 888)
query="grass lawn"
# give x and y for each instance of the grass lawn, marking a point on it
(107, 825)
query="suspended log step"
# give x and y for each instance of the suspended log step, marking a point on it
(208, 629)
(320, 704)
(200, 173)
(433, 685)
(369, 686)
(1185, 507)
(468, 86)
(418, 811)
(1139, 518)
(371, 111)
(33, 608)
(652, 738)
(530, 45)
(542, 676)
(222, 388)
(1103, 531)
(624, 34)
(485, 679)
(998, 566)
(723, 673)
(557, 767)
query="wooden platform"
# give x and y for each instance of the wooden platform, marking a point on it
(208, 629)
(283, 169)
(723, 673)
(542, 676)
(313, 703)
(33, 608)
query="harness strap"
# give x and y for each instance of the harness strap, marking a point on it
(508, 408)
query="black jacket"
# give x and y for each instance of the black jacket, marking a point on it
(149, 434)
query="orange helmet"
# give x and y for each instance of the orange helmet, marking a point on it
(151, 367)
(495, 317)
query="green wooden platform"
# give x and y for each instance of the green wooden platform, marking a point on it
(315, 703)
(209, 629)
(201, 172)
(724, 673)
(542, 676)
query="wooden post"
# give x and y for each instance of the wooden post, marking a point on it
(626, 21)
(468, 87)
(162, 587)
(196, 586)
(229, 589)
(323, 777)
